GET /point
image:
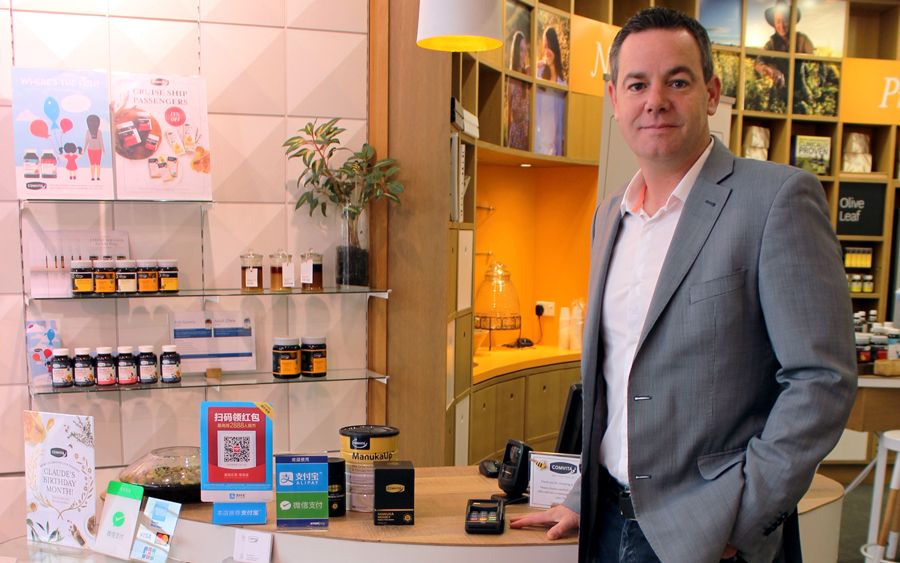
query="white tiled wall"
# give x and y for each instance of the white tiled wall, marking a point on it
(270, 66)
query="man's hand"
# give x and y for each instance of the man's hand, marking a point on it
(560, 519)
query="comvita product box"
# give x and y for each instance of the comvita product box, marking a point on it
(394, 493)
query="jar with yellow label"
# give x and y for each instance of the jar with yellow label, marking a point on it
(313, 356)
(147, 276)
(168, 276)
(286, 357)
(104, 277)
(82, 278)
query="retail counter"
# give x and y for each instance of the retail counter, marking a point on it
(437, 536)
(500, 360)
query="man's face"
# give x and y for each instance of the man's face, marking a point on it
(782, 25)
(661, 102)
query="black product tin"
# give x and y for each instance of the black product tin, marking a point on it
(337, 487)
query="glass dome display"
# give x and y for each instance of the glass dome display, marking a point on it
(497, 302)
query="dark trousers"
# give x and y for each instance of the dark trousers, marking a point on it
(620, 540)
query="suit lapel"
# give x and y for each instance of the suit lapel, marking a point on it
(700, 213)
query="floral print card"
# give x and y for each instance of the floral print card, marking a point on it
(60, 479)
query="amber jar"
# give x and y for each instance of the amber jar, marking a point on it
(147, 276)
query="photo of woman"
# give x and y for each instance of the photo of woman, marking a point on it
(549, 121)
(518, 97)
(517, 49)
(552, 48)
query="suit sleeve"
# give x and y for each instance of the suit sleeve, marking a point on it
(808, 316)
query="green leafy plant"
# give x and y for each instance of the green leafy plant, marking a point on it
(361, 178)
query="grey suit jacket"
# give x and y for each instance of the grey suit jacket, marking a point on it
(747, 355)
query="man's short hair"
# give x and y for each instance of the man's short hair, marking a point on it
(662, 18)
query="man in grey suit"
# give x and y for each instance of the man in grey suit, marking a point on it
(718, 364)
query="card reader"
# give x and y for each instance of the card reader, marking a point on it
(485, 516)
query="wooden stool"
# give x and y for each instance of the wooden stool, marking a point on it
(888, 441)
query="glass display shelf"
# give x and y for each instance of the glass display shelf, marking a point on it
(229, 292)
(227, 380)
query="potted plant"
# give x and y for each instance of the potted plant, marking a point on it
(350, 186)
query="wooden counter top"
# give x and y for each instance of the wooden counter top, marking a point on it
(500, 360)
(441, 495)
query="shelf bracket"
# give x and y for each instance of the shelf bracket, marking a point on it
(380, 294)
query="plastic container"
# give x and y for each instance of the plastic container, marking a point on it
(171, 473)
(61, 368)
(84, 371)
(170, 364)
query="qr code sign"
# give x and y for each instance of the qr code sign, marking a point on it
(237, 449)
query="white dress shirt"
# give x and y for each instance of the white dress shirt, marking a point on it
(634, 267)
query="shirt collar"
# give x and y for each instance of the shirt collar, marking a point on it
(633, 199)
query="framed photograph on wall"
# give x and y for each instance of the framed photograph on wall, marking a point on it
(549, 121)
(768, 25)
(820, 27)
(765, 83)
(727, 66)
(552, 47)
(816, 87)
(517, 47)
(722, 20)
(517, 114)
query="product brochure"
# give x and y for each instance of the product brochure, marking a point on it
(161, 137)
(49, 255)
(214, 339)
(301, 491)
(120, 515)
(61, 134)
(60, 499)
(41, 337)
(235, 452)
(155, 528)
(552, 477)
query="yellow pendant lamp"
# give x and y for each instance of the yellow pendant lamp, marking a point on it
(460, 25)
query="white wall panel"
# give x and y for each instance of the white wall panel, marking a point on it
(233, 228)
(13, 400)
(332, 15)
(320, 410)
(244, 68)
(12, 340)
(161, 9)
(145, 321)
(341, 319)
(12, 507)
(158, 418)
(258, 12)
(165, 230)
(96, 7)
(61, 40)
(329, 83)
(11, 272)
(5, 58)
(7, 164)
(154, 46)
(249, 158)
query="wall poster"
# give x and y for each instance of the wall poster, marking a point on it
(60, 134)
(161, 137)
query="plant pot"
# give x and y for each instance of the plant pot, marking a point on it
(352, 264)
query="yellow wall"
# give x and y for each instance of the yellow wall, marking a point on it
(541, 230)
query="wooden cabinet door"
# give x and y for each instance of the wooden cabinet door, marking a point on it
(510, 418)
(542, 405)
(482, 424)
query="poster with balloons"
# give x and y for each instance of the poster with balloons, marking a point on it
(161, 137)
(61, 139)
(41, 337)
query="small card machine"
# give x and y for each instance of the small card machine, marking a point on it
(485, 516)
